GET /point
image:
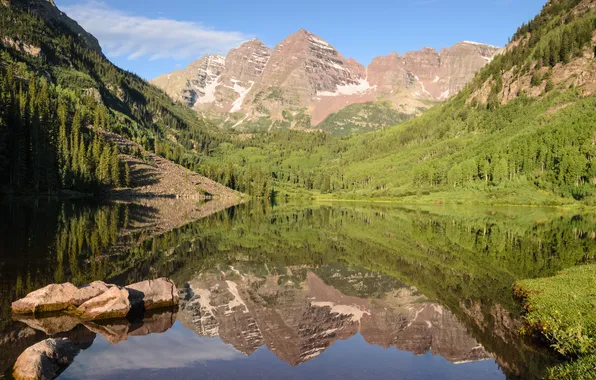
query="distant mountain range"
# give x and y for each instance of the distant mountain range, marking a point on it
(304, 80)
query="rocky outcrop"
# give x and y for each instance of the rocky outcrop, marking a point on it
(428, 74)
(45, 360)
(113, 303)
(99, 300)
(154, 294)
(50, 298)
(90, 291)
(304, 79)
(55, 297)
(197, 83)
(218, 82)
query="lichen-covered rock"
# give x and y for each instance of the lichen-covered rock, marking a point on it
(113, 303)
(91, 291)
(53, 297)
(45, 360)
(154, 294)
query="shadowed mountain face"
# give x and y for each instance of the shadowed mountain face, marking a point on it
(298, 316)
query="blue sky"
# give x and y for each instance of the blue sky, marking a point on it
(152, 37)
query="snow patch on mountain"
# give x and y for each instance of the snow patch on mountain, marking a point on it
(360, 87)
(209, 91)
(444, 95)
(480, 44)
(242, 92)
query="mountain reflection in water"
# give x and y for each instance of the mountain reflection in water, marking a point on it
(358, 291)
(298, 316)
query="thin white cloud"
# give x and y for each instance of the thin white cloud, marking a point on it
(124, 35)
(176, 348)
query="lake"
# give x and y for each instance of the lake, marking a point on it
(292, 291)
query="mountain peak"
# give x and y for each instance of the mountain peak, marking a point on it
(306, 72)
(254, 41)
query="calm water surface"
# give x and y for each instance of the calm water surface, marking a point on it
(352, 291)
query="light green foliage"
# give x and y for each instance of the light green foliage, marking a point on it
(562, 309)
(362, 117)
(583, 368)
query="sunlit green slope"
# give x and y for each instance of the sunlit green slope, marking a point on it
(522, 132)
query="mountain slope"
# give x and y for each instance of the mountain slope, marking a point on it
(304, 79)
(509, 148)
(59, 90)
(537, 147)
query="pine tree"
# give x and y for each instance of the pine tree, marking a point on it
(75, 131)
(83, 163)
(115, 167)
(126, 175)
(553, 58)
(565, 50)
(103, 171)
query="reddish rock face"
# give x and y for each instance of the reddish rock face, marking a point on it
(305, 75)
(429, 74)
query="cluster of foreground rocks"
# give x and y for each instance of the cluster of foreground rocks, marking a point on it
(60, 310)
(98, 300)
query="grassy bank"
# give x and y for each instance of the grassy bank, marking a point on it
(561, 311)
(476, 197)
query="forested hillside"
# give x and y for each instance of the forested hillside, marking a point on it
(57, 91)
(521, 132)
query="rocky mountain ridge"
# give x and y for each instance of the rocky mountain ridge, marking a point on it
(48, 11)
(304, 79)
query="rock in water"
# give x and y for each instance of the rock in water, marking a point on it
(53, 297)
(154, 294)
(90, 291)
(113, 303)
(45, 360)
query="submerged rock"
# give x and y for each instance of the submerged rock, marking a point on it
(45, 360)
(154, 294)
(53, 297)
(113, 303)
